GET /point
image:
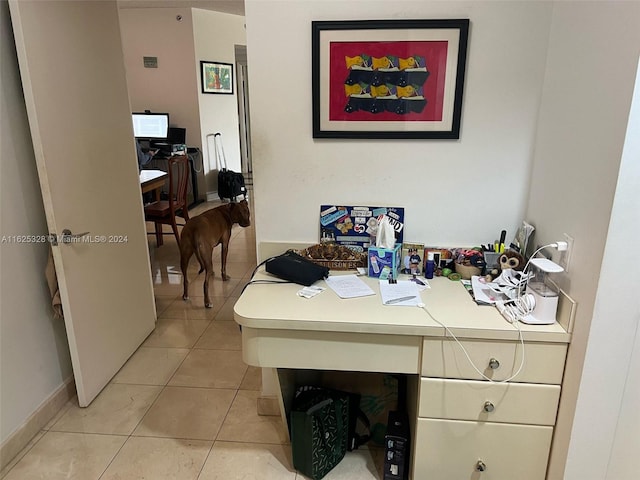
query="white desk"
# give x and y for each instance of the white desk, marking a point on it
(452, 433)
(152, 180)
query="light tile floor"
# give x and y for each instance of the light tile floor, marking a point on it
(184, 406)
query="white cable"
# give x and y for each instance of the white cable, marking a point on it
(520, 338)
(515, 309)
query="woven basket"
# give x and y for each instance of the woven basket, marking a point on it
(339, 264)
(467, 271)
(359, 260)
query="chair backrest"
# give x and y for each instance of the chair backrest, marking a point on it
(178, 167)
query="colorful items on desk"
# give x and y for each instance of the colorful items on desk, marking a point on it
(495, 247)
(498, 245)
(469, 262)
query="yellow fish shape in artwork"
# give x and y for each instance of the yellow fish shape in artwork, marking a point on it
(380, 91)
(382, 62)
(357, 61)
(355, 89)
(407, 91)
(407, 63)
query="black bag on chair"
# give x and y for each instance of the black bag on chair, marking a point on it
(230, 184)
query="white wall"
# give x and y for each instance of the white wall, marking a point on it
(215, 35)
(609, 373)
(34, 355)
(173, 86)
(590, 74)
(454, 192)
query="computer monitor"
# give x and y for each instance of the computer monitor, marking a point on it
(150, 126)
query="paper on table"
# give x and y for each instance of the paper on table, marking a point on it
(483, 294)
(349, 286)
(391, 292)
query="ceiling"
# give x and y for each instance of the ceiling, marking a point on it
(235, 7)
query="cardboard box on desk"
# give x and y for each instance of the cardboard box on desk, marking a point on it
(384, 261)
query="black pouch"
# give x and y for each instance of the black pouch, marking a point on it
(292, 267)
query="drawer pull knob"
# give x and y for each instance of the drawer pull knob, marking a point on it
(489, 407)
(494, 364)
(480, 466)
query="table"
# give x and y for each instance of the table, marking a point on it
(461, 423)
(152, 180)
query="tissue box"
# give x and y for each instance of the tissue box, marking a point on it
(384, 261)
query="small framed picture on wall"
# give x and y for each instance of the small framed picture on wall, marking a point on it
(217, 77)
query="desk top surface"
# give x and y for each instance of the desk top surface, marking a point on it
(149, 175)
(277, 306)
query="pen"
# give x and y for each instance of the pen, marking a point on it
(398, 300)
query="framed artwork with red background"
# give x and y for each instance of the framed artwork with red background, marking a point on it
(388, 78)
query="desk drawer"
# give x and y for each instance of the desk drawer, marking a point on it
(316, 350)
(489, 402)
(453, 450)
(444, 358)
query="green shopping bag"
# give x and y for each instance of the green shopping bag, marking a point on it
(319, 430)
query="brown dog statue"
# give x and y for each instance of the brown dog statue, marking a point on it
(204, 232)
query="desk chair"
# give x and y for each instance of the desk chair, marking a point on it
(164, 212)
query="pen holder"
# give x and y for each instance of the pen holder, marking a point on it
(492, 260)
(467, 271)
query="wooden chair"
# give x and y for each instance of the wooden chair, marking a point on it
(164, 212)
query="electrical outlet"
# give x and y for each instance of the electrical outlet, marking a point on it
(565, 257)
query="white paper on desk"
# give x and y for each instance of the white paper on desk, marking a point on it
(404, 288)
(482, 293)
(349, 286)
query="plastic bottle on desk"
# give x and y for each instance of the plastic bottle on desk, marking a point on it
(430, 267)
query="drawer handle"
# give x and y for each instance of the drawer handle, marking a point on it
(494, 364)
(489, 407)
(480, 466)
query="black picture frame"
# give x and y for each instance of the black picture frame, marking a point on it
(216, 77)
(385, 97)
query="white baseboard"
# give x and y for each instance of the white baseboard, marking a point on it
(19, 439)
(212, 196)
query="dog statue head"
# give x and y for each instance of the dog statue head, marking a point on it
(240, 213)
